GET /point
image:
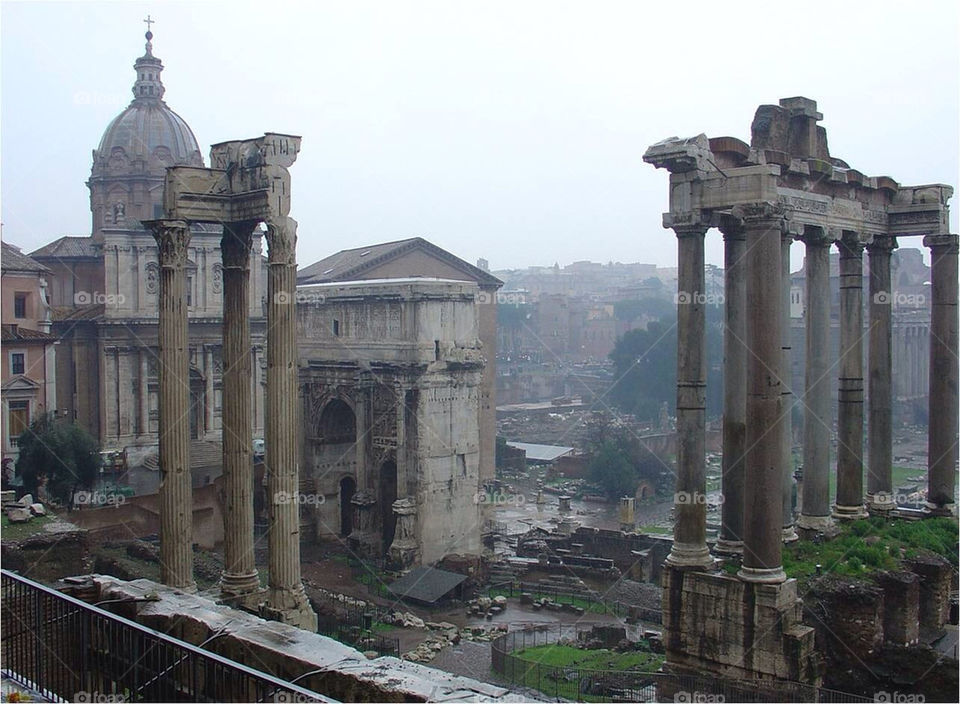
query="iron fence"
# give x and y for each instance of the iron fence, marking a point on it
(355, 623)
(69, 650)
(588, 685)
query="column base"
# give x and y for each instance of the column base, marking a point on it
(762, 575)
(728, 547)
(241, 590)
(934, 510)
(881, 502)
(404, 554)
(290, 606)
(790, 534)
(690, 556)
(816, 524)
(849, 513)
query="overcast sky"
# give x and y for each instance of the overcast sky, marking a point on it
(512, 131)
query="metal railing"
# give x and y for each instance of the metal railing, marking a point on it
(69, 650)
(591, 685)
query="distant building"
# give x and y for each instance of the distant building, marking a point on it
(28, 381)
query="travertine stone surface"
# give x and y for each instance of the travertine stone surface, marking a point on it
(880, 381)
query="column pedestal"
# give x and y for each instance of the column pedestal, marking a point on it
(404, 550)
(364, 540)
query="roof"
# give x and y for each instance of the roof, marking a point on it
(350, 264)
(541, 453)
(67, 247)
(92, 311)
(15, 333)
(425, 584)
(12, 259)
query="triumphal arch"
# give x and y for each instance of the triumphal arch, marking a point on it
(784, 186)
(391, 375)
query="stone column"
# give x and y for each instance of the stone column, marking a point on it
(404, 550)
(817, 421)
(942, 442)
(849, 504)
(734, 388)
(786, 390)
(144, 391)
(763, 475)
(208, 392)
(880, 378)
(690, 507)
(176, 489)
(239, 582)
(287, 598)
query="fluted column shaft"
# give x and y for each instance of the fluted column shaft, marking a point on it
(849, 504)
(239, 577)
(880, 378)
(786, 390)
(943, 375)
(817, 423)
(144, 396)
(690, 508)
(287, 598)
(176, 491)
(734, 388)
(762, 530)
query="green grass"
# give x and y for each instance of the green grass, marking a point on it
(548, 667)
(656, 530)
(19, 531)
(872, 545)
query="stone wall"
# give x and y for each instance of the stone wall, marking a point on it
(901, 606)
(287, 652)
(935, 576)
(716, 623)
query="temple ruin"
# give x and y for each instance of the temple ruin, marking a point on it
(784, 186)
(248, 184)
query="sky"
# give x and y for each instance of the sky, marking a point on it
(512, 131)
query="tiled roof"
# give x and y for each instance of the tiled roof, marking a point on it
(15, 333)
(68, 247)
(350, 264)
(12, 259)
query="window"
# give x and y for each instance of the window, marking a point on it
(336, 328)
(19, 305)
(18, 419)
(17, 362)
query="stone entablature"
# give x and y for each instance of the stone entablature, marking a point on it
(391, 379)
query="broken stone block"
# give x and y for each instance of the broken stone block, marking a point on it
(19, 514)
(26, 500)
(38, 510)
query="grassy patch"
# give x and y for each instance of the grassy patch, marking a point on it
(19, 531)
(872, 545)
(656, 530)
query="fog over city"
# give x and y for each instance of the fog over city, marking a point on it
(508, 131)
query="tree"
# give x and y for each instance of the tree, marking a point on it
(60, 452)
(620, 460)
(611, 469)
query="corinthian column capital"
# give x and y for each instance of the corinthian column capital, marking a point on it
(282, 240)
(236, 243)
(173, 238)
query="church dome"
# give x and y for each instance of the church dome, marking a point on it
(148, 131)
